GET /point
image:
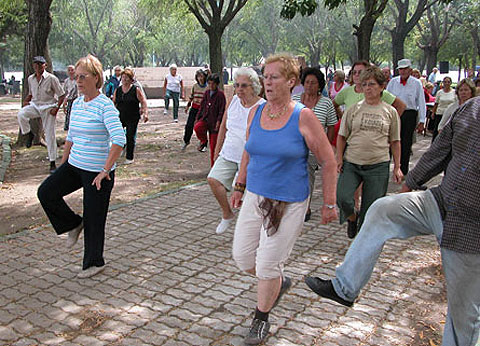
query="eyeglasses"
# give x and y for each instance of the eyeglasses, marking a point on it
(81, 76)
(243, 85)
(369, 85)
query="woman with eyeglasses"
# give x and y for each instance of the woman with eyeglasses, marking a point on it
(444, 98)
(231, 140)
(348, 97)
(94, 142)
(313, 82)
(368, 130)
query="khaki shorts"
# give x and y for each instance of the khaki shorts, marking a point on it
(251, 246)
(224, 171)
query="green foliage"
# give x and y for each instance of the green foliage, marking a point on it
(304, 7)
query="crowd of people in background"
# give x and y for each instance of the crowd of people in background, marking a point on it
(284, 122)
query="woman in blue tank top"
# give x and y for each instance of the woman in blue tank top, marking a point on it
(273, 181)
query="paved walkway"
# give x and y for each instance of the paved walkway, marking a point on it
(171, 281)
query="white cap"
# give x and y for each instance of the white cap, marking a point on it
(404, 63)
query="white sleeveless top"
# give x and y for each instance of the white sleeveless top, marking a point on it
(173, 83)
(235, 138)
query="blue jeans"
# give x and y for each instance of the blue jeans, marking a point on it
(175, 96)
(403, 216)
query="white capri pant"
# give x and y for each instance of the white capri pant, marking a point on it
(251, 246)
(31, 112)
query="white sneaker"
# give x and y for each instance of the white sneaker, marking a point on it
(176, 120)
(87, 273)
(223, 225)
(73, 235)
(165, 112)
(128, 162)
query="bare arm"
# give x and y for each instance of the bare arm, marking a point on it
(317, 141)
(341, 144)
(397, 172)
(330, 133)
(182, 94)
(222, 132)
(236, 198)
(113, 155)
(338, 110)
(114, 97)
(143, 103)
(399, 105)
(66, 151)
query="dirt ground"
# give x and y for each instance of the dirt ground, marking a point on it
(159, 165)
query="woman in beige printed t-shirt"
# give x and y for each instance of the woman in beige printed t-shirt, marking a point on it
(367, 132)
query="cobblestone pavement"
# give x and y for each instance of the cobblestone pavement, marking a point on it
(170, 280)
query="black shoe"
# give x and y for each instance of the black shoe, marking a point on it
(257, 333)
(352, 228)
(202, 147)
(324, 288)
(286, 284)
(53, 167)
(29, 141)
(308, 215)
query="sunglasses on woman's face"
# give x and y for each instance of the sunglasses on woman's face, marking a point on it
(81, 77)
(242, 85)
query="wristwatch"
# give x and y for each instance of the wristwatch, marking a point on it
(106, 170)
(330, 206)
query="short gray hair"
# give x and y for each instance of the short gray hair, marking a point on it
(252, 76)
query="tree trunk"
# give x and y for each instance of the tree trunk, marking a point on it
(431, 58)
(398, 50)
(215, 50)
(364, 35)
(36, 43)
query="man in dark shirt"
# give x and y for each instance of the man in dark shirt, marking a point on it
(450, 211)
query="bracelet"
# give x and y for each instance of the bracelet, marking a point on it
(330, 206)
(106, 170)
(240, 187)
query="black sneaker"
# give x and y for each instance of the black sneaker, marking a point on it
(202, 147)
(53, 167)
(257, 333)
(308, 215)
(29, 141)
(286, 284)
(352, 228)
(324, 288)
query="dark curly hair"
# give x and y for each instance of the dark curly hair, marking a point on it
(317, 73)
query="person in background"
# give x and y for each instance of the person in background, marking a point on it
(71, 92)
(387, 74)
(210, 115)
(225, 76)
(416, 73)
(477, 85)
(127, 98)
(450, 211)
(313, 82)
(273, 181)
(410, 91)
(45, 98)
(432, 77)
(231, 140)
(194, 102)
(444, 98)
(173, 86)
(465, 91)
(94, 142)
(113, 82)
(338, 84)
(370, 129)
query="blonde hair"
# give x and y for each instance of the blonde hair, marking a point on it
(289, 64)
(93, 66)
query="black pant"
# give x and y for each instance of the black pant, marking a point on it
(65, 180)
(436, 122)
(131, 135)
(189, 125)
(408, 122)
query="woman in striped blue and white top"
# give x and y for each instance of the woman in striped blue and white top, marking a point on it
(94, 142)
